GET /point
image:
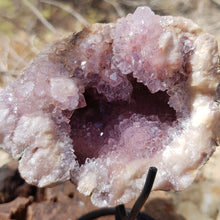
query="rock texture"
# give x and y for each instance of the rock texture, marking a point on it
(102, 106)
(62, 201)
(19, 200)
(15, 209)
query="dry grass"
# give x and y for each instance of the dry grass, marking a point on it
(34, 23)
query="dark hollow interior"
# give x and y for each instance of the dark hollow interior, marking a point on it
(92, 125)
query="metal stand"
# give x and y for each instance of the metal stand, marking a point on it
(120, 212)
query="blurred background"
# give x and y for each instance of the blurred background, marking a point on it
(26, 26)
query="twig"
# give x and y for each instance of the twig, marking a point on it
(133, 3)
(216, 2)
(117, 7)
(40, 16)
(19, 59)
(8, 73)
(68, 9)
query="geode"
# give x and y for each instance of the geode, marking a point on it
(103, 105)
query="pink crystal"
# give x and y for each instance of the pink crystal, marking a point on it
(102, 106)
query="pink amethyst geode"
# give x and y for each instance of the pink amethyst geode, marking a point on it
(103, 105)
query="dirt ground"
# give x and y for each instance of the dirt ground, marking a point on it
(25, 28)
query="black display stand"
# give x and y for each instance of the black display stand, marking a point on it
(120, 212)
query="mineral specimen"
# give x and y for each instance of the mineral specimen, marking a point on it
(103, 105)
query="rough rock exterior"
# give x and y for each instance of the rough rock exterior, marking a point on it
(103, 105)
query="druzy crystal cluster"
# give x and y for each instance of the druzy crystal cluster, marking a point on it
(105, 104)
